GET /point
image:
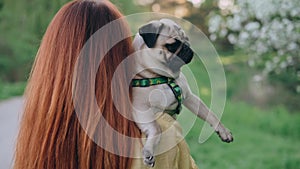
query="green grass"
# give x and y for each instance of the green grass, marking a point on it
(8, 90)
(263, 139)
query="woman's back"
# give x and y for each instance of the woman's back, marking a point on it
(51, 135)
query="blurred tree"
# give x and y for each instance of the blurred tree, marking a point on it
(129, 7)
(1, 4)
(195, 11)
(269, 31)
(22, 25)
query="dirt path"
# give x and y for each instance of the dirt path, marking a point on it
(10, 111)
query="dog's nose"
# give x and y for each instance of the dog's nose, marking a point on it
(184, 56)
(186, 53)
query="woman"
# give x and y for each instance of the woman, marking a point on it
(61, 127)
(51, 135)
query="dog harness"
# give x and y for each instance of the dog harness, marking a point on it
(162, 80)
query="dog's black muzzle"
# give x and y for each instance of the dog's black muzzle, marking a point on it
(181, 57)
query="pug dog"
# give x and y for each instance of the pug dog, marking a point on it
(162, 48)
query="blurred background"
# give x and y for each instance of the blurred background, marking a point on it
(259, 45)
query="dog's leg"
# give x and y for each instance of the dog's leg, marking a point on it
(152, 132)
(146, 122)
(197, 106)
(194, 104)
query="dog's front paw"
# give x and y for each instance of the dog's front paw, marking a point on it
(224, 134)
(149, 159)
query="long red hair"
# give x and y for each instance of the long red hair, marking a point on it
(50, 134)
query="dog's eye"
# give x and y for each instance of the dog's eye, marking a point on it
(173, 46)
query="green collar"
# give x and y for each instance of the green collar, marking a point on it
(151, 81)
(162, 80)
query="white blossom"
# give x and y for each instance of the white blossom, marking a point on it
(289, 60)
(214, 23)
(213, 37)
(232, 39)
(276, 59)
(261, 48)
(283, 65)
(234, 23)
(223, 32)
(252, 26)
(292, 46)
(298, 89)
(262, 28)
(251, 62)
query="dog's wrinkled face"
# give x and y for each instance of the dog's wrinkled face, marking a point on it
(169, 39)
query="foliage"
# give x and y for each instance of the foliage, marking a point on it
(128, 7)
(263, 140)
(195, 11)
(8, 90)
(269, 31)
(22, 25)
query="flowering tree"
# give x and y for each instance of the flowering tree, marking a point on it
(268, 30)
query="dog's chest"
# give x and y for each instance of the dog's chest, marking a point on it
(158, 97)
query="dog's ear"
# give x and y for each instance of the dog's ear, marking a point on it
(150, 33)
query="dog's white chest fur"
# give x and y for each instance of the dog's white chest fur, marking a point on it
(158, 98)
